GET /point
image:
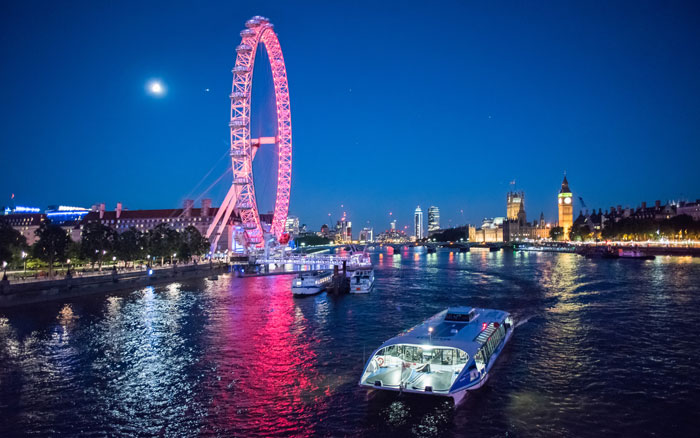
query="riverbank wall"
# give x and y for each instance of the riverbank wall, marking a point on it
(19, 293)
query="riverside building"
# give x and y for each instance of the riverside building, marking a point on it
(433, 219)
(418, 223)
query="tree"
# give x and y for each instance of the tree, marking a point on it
(451, 234)
(312, 240)
(162, 241)
(51, 245)
(12, 242)
(579, 232)
(97, 240)
(556, 233)
(130, 245)
(192, 243)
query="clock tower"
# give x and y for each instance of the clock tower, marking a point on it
(566, 208)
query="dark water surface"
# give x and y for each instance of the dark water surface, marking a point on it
(607, 348)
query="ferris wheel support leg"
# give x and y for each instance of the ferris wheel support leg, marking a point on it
(230, 199)
(226, 217)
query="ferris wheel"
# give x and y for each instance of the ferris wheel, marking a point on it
(241, 199)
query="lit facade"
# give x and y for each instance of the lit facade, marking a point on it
(418, 223)
(178, 219)
(366, 235)
(292, 225)
(433, 219)
(566, 207)
(343, 230)
(515, 206)
(491, 231)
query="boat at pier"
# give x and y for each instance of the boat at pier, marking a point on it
(447, 355)
(310, 283)
(362, 281)
(619, 253)
(634, 254)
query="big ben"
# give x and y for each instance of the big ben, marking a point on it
(566, 208)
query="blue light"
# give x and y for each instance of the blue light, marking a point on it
(67, 213)
(19, 209)
(150, 272)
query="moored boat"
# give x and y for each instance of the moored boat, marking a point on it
(634, 254)
(310, 283)
(447, 355)
(362, 281)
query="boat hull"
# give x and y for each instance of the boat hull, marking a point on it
(361, 289)
(309, 290)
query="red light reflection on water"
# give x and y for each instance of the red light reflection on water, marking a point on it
(265, 378)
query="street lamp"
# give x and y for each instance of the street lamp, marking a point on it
(24, 260)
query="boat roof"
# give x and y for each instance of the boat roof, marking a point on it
(313, 273)
(466, 328)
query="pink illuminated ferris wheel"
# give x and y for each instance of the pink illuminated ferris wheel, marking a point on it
(241, 197)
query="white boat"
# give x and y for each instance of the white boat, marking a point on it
(310, 283)
(447, 355)
(359, 260)
(362, 281)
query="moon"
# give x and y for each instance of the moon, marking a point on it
(156, 88)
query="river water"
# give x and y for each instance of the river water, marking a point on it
(604, 348)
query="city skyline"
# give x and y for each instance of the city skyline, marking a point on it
(573, 94)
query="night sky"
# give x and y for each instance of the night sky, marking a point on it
(424, 103)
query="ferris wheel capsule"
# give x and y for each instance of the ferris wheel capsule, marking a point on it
(243, 48)
(247, 33)
(240, 70)
(253, 22)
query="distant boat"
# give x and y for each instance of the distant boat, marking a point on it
(620, 253)
(634, 254)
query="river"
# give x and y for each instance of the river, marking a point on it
(603, 348)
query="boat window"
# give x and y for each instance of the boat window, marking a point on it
(491, 344)
(462, 357)
(415, 366)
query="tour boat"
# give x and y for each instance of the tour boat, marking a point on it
(309, 283)
(634, 254)
(362, 281)
(447, 355)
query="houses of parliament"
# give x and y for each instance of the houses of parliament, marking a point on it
(514, 226)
